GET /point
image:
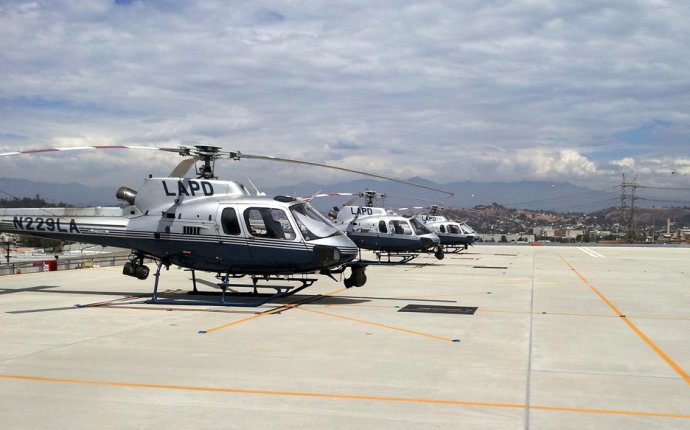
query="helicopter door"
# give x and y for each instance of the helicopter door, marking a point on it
(382, 227)
(234, 246)
(273, 242)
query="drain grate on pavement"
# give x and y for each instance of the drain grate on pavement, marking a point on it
(436, 309)
(489, 267)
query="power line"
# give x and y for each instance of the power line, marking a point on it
(685, 202)
(609, 202)
(627, 205)
(579, 196)
(666, 188)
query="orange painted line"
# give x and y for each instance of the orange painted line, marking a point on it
(420, 266)
(273, 311)
(571, 314)
(243, 320)
(608, 412)
(109, 302)
(160, 308)
(378, 325)
(341, 396)
(597, 292)
(658, 350)
(683, 374)
(359, 305)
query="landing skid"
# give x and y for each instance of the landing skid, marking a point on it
(392, 257)
(228, 291)
(454, 249)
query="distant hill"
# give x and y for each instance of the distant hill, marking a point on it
(27, 202)
(537, 195)
(72, 193)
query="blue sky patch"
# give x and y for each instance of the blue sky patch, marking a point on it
(267, 16)
(643, 134)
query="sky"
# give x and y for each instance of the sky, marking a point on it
(449, 91)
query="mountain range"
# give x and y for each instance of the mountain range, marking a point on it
(536, 195)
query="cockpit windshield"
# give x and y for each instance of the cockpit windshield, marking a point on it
(399, 226)
(312, 224)
(418, 227)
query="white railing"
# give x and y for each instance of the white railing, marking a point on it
(68, 263)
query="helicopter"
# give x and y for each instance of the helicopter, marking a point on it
(455, 237)
(375, 228)
(206, 224)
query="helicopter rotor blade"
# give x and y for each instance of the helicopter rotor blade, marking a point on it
(352, 200)
(240, 155)
(349, 202)
(179, 172)
(409, 208)
(79, 148)
(181, 169)
(411, 198)
(213, 152)
(330, 195)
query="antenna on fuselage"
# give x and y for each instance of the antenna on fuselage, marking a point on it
(258, 193)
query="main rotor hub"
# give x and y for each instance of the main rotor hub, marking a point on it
(370, 197)
(207, 155)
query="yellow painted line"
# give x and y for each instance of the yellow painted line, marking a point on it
(419, 333)
(359, 305)
(657, 317)
(341, 396)
(243, 320)
(633, 327)
(175, 308)
(558, 314)
(109, 302)
(273, 311)
(420, 266)
(572, 314)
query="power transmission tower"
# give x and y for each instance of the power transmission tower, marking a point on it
(627, 207)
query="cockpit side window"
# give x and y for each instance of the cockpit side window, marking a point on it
(231, 225)
(382, 227)
(268, 223)
(400, 227)
(418, 227)
(442, 228)
(312, 224)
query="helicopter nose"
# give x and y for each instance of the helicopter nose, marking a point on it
(327, 255)
(426, 242)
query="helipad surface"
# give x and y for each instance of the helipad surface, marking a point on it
(563, 338)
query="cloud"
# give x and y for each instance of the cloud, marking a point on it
(627, 163)
(538, 164)
(474, 91)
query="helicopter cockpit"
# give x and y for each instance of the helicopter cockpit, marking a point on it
(312, 224)
(419, 227)
(274, 223)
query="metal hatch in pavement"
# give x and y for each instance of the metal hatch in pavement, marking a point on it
(436, 309)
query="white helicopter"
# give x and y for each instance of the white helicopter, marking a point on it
(206, 224)
(375, 228)
(455, 237)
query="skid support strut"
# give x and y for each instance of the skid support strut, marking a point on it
(154, 297)
(229, 296)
